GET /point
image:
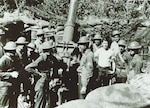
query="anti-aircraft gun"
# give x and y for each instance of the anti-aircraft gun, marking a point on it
(66, 46)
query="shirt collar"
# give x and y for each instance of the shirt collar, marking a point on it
(87, 51)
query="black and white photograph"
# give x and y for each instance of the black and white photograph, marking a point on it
(74, 53)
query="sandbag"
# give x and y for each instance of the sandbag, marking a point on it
(80, 103)
(118, 96)
(142, 84)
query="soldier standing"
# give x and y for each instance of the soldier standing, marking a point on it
(22, 50)
(32, 55)
(114, 45)
(40, 39)
(97, 42)
(86, 65)
(122, 68)
(136, 61)
(9, 86)
(46, 67)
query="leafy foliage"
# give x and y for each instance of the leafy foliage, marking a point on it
(124, 15)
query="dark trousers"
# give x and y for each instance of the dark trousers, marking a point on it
(104, 76)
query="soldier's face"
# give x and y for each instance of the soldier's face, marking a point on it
(12, 53)
(20, 47)
(131, 52)
(122, 48)
(115, 38)
(82, 47)
(29, 51)
(41, 38)
(97, 42)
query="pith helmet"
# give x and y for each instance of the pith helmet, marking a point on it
(10, 46)
(31, 45)
(122, 42)
(116, 32)
(47, 45)
(134, 45)
(83, 39)
(97, 37)
(21, 41)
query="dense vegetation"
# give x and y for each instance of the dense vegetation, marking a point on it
(125, 15)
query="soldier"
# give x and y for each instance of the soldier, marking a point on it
(34, 30)
(86, 65)
(9, 86)
(114, 45)
(40, 39)
(122, 68)
(46, 66)
(22, 50)
(136, 61)
(97, 42)
(32, 55)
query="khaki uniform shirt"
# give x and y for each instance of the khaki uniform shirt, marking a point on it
(136, 64)
(86, 64)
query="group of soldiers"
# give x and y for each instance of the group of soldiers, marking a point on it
(36, 73)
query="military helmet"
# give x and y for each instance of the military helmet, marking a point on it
(46, 30)
(50, 34)
(122, 43)
(21, 41)
(35, 28)
(47, 45)
(10, 46)
(83, 40)
(40, 32)
(134, 45)
(97, 37)
(31, 45)
(116, 32)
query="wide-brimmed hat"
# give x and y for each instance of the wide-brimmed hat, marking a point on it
(49, 34)
(32, 46)
(122, 43)
(46, 30)
(10, 46)
(48, 45)
(21, 41)
(35, 28)
(134, 45)
(40, 32)
(83, 40)
(97, 37)
(116, 32)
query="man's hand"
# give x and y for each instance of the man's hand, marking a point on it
(60, 71)
(14, 74)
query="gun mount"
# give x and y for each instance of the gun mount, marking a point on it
(66, 46)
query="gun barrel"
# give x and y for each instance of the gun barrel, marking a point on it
(70, 24)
